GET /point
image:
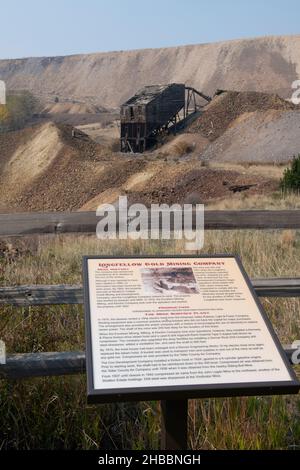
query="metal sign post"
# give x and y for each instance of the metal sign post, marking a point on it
(174, 420)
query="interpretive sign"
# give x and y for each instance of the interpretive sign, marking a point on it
(178, 327)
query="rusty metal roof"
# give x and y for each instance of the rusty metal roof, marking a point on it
(147, 94)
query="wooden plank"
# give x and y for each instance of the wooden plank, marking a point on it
(27, 295)
(259, 220)
(47, 222)
(277, 287)
(41, 295)
(20, 366)
(21, 224)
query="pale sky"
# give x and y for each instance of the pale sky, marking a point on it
(61, 27)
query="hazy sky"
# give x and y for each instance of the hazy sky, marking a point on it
(60, 27)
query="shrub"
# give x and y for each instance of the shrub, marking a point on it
(182, 148)
(20, 108)
(291, 176)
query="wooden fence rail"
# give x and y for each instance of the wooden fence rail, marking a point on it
(46, 364)
(21, 224)
(67, 294)
(73, 362)
(21, 366)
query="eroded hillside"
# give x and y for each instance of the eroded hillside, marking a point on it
(268, 64)
(57, 167)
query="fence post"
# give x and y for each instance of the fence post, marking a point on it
(174, 416)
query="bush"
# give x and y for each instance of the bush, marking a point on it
(181, 148)
(291, 176)
(19, 109)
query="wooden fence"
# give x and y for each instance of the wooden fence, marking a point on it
(20, 224)
(73, 362)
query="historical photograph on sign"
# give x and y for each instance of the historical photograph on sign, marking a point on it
(169, 281)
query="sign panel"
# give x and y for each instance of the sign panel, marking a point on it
(173, 327)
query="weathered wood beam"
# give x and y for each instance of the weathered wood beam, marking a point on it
(72, 294)
(20, 366)
(41, 295)
(21, 224)
(277, 287)
(29, 223)
(253, 219)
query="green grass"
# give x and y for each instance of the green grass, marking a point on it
(52, 412)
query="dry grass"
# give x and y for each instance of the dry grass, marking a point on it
(267, 171)
(275, 201)
(52, 412)
(181, 148)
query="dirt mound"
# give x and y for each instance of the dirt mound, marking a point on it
(74, 181)
(55, 167)
(187, 182)
(230, 105)
(183, 144)
(24, 155)
(200, 185)
(263, 136)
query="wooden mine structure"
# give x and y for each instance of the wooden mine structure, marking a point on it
(153, 111)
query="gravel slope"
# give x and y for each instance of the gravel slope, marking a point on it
(262, 137)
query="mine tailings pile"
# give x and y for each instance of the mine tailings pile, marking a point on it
(249, 127)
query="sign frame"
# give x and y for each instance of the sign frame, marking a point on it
(180, 392)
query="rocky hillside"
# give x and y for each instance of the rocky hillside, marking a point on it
(267, 64)
(248, 127)
(57, 167)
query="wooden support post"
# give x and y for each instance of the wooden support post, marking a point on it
(174, 416)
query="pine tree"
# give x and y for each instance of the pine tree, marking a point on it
(291, 176)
